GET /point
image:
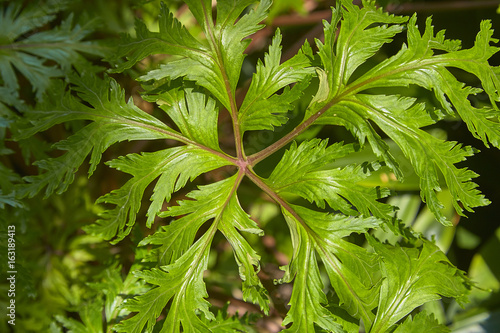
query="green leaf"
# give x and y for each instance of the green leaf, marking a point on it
(182, 284)
(172, 38)
(229, 39)
(414, 276)
(114, 120)
(174, 166)
(352, 270)
(214, 65)
(421, 322)
(233, 219)
(362, 32)
(217, 201)
(415, 143)
(401, 118)
(482, 122)
(417, 64)
(307, 296)
(262, 108)
(314, 181)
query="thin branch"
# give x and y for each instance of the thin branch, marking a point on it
(259, 156)
(279, 200)
(442, 6)
(430, 7)
(297, 19)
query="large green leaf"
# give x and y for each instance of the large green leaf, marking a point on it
(308, 300)
(417, 64)
(352, 270)
(401, 118)
(362, 32)
(390, 113)
(414, 276)
(180, 282)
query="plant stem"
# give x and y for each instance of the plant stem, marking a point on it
(259, 156)
(280, 201)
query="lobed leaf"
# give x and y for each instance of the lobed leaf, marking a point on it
(414, 276)
(229, 38)
(172, 38)
(415, 143)
(401, 119)
(215, 66)
(174, 166)
(352, 270)
(114, 120)
(314, 181)
(306, 303)
(233, 219)
(217, 201)
(362, 32)
(182, 284)
(421, 322)
(262, 108)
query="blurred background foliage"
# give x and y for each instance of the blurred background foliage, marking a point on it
(68, 280)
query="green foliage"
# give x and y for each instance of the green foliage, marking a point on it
(333, 212)
(420, 323)
(31, 51)
(40, 55)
